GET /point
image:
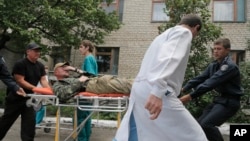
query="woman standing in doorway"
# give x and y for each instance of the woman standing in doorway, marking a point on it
(89, 65)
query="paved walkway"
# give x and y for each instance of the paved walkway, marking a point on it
(104, 131)
(98, 133)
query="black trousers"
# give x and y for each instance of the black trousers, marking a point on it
(216, 114)
(13, 109)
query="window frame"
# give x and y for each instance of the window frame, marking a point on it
(118, 7)
(152, 12)
(236, 11)
(238, 56)
(113, 62)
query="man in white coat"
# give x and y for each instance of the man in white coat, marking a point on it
(155, 113)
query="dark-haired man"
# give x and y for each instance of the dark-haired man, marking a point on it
(27, 73)
(223, 76)
(155, 113)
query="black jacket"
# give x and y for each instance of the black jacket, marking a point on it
(6, 77)
(222, 77)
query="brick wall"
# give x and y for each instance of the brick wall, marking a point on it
(138, 32)
(238, 33)
(134, 37)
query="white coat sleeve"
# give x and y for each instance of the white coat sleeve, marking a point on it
(170, 56)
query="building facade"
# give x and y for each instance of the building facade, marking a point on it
(123, 50)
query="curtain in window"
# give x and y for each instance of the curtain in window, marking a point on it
(158, 12)
(223, 11)
(241, 10)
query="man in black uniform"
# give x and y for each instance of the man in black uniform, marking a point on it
(223, 76)
(8, 80)
(27, 73)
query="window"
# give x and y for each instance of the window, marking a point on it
(237, 56)
(116, 5)
(229, 10)
(60, 54)
(158, 14)
(107, 60)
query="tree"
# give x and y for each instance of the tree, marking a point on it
(241, 116)
(200, 57)
(62, 23)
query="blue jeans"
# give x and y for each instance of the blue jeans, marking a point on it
(132, 130)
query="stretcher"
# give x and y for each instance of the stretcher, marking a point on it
(99, 103)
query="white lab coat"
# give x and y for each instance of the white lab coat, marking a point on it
(162, 70)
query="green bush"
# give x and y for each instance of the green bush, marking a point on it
(107, 115)
(65, 111)
(197, 105)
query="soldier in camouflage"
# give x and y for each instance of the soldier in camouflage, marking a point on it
(67, 87)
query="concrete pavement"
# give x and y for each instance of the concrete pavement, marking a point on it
(98, 133)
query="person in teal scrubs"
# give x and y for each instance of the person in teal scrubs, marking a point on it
(41, 112)
(89, 65)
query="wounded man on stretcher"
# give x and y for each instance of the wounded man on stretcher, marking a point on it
(67, 87)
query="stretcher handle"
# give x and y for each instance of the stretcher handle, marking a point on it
(43, 91)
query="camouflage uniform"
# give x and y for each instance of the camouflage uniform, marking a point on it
(109, 84)
(67, 88)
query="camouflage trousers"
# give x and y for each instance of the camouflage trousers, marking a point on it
(109, 84)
